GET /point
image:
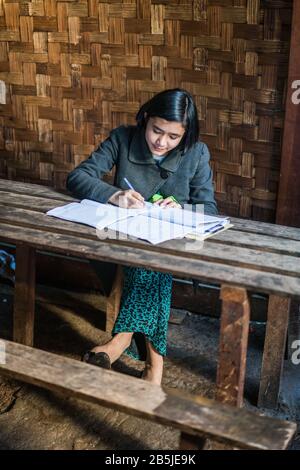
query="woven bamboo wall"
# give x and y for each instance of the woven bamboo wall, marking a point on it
(72, 70)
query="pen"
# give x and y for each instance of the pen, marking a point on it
(131, 187)
(128, 184)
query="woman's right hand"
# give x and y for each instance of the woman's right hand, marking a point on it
(128, 199)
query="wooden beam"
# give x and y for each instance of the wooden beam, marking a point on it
(274, 348)
(288, 205)
(233, 345)
(24, 303)
(114, 300)
(197, 416)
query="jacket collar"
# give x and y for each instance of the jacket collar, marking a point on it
(139, 153)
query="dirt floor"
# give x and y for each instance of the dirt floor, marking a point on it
(32, 418)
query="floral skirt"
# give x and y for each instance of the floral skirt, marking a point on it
(145, 310)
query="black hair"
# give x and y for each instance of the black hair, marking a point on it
(173, 105)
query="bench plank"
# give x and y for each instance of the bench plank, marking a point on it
(131, 255)
(197, 416)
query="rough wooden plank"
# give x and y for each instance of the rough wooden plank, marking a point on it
(129, 254)
(196, 415)
(236, 238)
(264, 242)
(34, 190)
(26, 191)
(263, 228)
(274, 349)
(233, 345)
(211, 251)
(114, 300)
(24, 299)
(33, 203)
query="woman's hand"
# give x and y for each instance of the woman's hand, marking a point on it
(128, 199)
(168, 203)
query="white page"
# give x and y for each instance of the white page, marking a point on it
(210, 228)
(156, 226)
(153, 230)
(93, 213)
(187, 218)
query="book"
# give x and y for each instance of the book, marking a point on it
(151, 223)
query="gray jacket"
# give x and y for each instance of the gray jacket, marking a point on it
(186, 176)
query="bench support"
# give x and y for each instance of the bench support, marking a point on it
(233, 345)
(274, 349)
(24, 298)
(114, 300)
(189, 442)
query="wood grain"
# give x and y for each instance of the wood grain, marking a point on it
(196, 416)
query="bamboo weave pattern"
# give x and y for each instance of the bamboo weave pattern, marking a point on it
(72, 70)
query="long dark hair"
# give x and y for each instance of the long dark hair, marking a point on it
(173, 105)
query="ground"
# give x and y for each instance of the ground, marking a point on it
(32, 418)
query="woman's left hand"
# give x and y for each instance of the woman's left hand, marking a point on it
(167, 203)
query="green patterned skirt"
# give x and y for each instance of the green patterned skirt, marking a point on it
(145, 310)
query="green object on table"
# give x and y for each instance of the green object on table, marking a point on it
(156, 197)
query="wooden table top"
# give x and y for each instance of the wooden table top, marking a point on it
(255, 255)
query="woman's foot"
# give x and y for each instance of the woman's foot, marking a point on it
(154, 365)
(153, 374)
(115, 347)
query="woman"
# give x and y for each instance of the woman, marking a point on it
(166, 164)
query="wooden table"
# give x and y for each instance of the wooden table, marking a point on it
(251, 256)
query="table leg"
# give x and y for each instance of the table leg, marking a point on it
(274, 349)
(114, 300)
(294, 327)
(24, 296)
(231, 370)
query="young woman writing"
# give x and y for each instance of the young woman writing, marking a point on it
(166, 164)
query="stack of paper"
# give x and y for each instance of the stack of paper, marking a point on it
(151, 223)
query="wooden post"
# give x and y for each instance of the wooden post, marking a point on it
(233, 345)
(274, 348)
(114, 300)
(288, 207)
(24, 297)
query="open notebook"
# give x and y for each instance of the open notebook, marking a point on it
(150, 223)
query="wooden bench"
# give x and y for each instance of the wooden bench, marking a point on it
(193, 416)
(251, 256)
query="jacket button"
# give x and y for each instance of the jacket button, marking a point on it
(164, 174)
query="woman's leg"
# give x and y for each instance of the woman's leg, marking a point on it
(116, 346)
(154, 365)
(144, 313)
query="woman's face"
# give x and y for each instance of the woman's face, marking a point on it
(162, 136)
